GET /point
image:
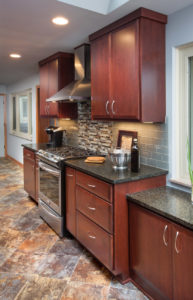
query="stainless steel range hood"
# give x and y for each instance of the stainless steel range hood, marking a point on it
(78, 90)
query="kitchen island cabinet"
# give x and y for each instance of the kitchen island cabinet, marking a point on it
(128, 68)
(56, 72)
(161, 249)
(101, 209)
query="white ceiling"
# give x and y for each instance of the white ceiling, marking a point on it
(25, 27)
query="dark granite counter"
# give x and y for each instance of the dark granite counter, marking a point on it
(35, 147)
(107, 173)
(167, 202)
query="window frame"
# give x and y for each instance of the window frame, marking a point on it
(17, 132)
(181, 115)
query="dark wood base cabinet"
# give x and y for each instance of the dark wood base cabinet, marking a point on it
(160, 255)
(97, 216)
(30, 173)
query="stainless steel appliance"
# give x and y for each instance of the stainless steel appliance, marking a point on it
(80, 89)
(52, 184)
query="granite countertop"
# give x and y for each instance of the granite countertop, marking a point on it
(35, 147)
(168, 202)
(107, 173)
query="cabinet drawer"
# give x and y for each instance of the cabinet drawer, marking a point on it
(94, 208)
(94, 185)
(28, 154)
(95, 239)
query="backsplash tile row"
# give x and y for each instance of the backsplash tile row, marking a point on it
(101, 136)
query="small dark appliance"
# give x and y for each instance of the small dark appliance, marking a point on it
(56, 135)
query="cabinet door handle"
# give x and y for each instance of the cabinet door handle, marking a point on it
(48, 109)
(91, 236)
(112, 107)
(69, 175)
(107, 104)
(177, 234)
(91, 185)
(28, 154)
(164, 235)
(91, 208)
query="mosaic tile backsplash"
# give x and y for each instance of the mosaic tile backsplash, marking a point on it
(101, 136)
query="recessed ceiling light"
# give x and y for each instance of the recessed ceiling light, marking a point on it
(15, 55)
(60, 21)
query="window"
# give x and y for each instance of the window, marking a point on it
(21, 114)
(182, 109)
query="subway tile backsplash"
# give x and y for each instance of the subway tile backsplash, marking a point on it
(102, 135)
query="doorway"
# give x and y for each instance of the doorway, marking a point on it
(3, 126)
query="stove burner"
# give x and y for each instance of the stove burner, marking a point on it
(57, 155)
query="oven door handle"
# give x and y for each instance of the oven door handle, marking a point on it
(48, 210)
(51, 171)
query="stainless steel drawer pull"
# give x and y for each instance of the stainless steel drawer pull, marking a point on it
(177, 234)
(69, 175)
(112, 107)
(92, 186)
(164, 237)
(107, 103)
(91, 208)
(91, 236)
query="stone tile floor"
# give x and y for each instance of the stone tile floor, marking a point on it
(35, 263)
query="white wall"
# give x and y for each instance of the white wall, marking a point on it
(179, 31)
(2, 89)
(2, 150)
(14, 148)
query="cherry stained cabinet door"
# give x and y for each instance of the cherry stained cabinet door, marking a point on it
(182, 263)
(56, 72)
(43, 90)
(151, 252)
(124, 85)
(53, 86)
(29, 168)
(100, 63)
(71, 200)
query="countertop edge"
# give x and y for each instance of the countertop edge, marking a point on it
(119, 181)
(159, 212)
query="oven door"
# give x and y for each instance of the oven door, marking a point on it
(50, 186)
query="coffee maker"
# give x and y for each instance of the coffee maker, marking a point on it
(55, 136)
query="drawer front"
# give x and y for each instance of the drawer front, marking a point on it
(28, 154)
(95, 239)
(94, 185)
(94, 208)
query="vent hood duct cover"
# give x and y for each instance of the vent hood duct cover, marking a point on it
(78, 90)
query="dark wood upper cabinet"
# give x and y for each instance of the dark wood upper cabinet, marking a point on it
(56, 72)
(128, 68)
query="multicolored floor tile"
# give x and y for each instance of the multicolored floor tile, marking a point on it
(35, 264)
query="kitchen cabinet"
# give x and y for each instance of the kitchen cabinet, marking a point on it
(71, 200)
(150, 252)
(182, 263)
(99, 212)
(128, 68)
(30, 173)
(160, 255)
(56, 72)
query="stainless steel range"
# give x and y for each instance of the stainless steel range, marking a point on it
(52, 184)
